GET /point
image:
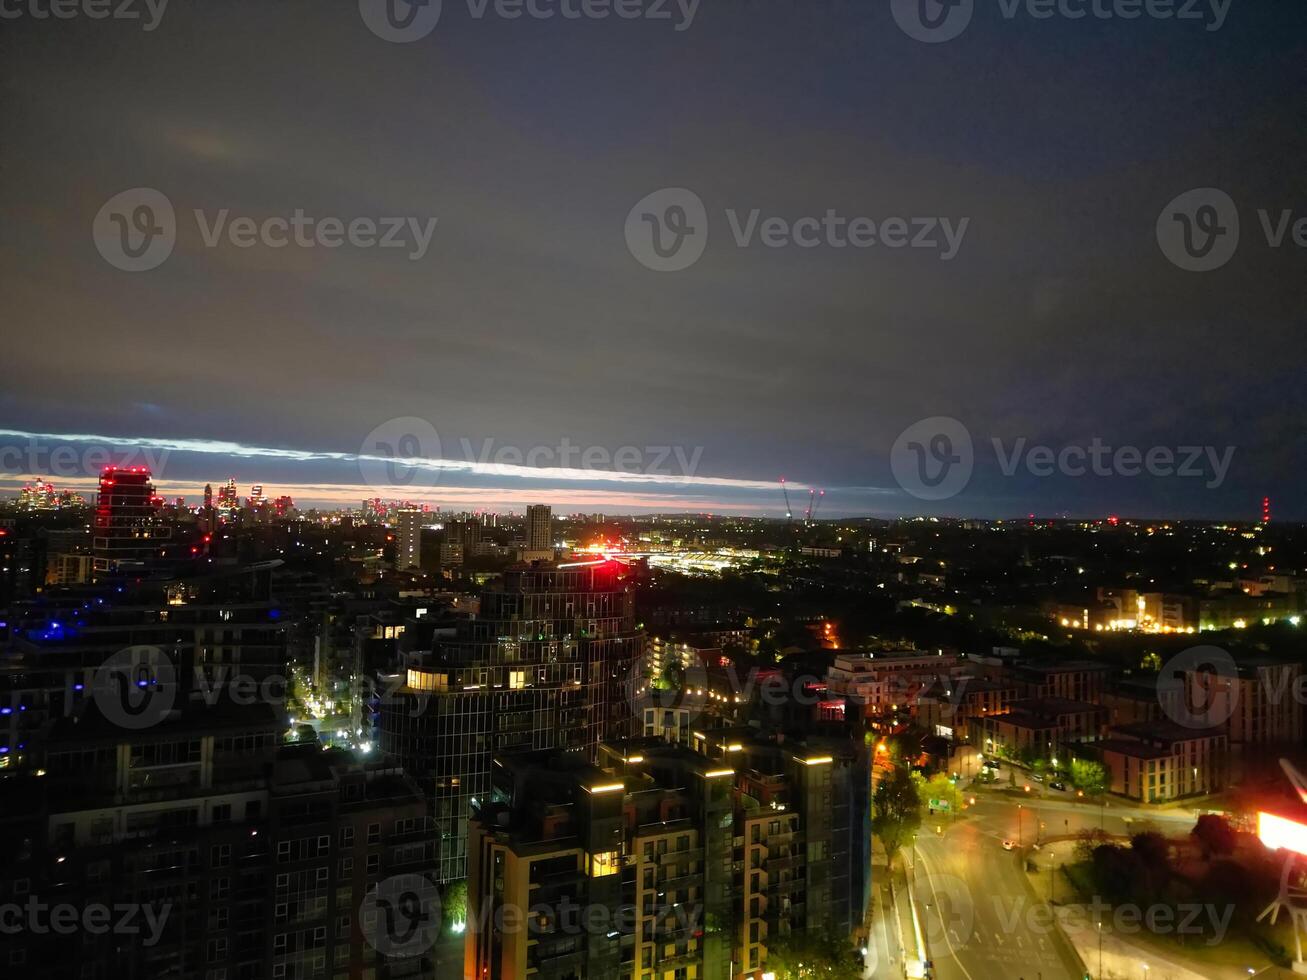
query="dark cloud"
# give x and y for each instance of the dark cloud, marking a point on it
(527, 321)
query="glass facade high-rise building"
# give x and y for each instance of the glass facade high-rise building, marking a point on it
(547, 664)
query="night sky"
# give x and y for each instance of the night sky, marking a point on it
(529, 323)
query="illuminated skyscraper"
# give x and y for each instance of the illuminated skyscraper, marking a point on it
(410, 521)
(128, 532)
(208, 518)
(228, 500)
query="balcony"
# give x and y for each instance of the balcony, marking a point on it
(787, 862)
(680, 881)
(690, 854)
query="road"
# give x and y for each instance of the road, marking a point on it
(977, 909)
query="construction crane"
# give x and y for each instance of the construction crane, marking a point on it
(817, 506)
(807, 514)
(789, 514)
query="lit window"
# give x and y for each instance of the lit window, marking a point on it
(603, 864)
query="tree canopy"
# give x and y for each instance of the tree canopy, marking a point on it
(896, 810)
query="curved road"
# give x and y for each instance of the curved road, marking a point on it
(977, 908)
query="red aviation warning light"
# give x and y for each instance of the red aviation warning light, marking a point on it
(1266, 510)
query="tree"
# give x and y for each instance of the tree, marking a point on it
(896, 811)
(1089, 841)
(453, 904)
(1214, 835)
(670, 678)
(1116, 871)
(1152, 852)
(938, 787)
(1088, 776)
(905, 746)
(819, 955)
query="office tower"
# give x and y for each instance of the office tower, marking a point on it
(539, 528)
(545, 665)
(228, 500)
(128, 534)
(208, 517)
(410, 521)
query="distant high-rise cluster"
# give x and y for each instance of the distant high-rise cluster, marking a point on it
(44, 496)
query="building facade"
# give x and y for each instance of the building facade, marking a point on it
(548, 663)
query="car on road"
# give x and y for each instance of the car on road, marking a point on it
(1058, 785)
(1009, 845)
(1037, 777)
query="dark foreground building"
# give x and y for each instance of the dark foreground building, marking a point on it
(203, 847)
